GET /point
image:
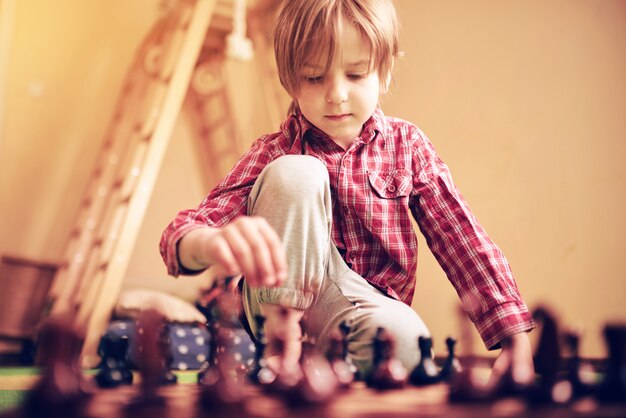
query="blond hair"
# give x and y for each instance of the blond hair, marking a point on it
(310, 29)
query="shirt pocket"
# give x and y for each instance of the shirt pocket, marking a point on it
(388, 201)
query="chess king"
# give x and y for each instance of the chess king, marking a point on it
(316, 217)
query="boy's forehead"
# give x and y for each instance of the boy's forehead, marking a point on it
(351, 49)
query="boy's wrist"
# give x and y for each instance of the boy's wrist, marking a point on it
(192, 249)
(513, 339)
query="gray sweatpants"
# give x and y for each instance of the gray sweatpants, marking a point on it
(293, 194)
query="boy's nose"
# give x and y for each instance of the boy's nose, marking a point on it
(336, 93)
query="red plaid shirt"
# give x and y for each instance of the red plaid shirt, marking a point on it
(390, 170)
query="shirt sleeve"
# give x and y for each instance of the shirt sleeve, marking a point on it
(473, 263)
(225, 202)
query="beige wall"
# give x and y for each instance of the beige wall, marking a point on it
(524, 101)
(65, 68)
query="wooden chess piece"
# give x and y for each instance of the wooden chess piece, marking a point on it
(452, 365)
(152, 360)
(287, 375)
(551, 387)
(344, 328)
(612, 388)
(344, 371)
(388, 372)
(220, 391)
(581, 386)
(466, 386)
(213, 325)
(114, 369)
(62, 391)
(318, 384)
(426, 371)
(260, 372)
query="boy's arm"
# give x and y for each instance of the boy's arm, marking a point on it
(215, 232)
(474, 265)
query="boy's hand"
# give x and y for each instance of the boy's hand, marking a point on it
(248, 245)
(516, 355)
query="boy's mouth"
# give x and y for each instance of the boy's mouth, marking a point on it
(338, 117)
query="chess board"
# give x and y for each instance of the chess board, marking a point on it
(182, 401)
(221, 390)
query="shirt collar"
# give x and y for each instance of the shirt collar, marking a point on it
(296, 126)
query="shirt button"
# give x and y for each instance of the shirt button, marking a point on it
(345, 209)
(391, 188)
(345, 162)
(351, 256)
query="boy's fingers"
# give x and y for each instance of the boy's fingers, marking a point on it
(242, 253)
(223, 256)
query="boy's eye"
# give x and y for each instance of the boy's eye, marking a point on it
(355, 76)
(314, 79)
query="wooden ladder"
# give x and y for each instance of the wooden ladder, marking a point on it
(208, 105)
(101, 243)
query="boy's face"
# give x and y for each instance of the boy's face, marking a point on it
(340, 101)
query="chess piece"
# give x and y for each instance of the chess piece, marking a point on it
(288, 371)
(551, 387)
(221, 393)
(581, 386)
(388, 371)
(426, 371)
(466, 386)
(214, 328)
(452, 364)
(260, 373)
(318, 383)
(287, 376)
(62, 391)
(114, 368)
(152, 347)
(612, 388)
(344, 372)
(344, 328)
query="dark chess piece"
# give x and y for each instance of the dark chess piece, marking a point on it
(551, 387)
(612, 388)
(114, 367)
(344, 371)
(214, 327)
(426, 372)
(220, 391)
(167, 377)
(452, 365)
(344, 328)
(388, 372)
(62, 391)
(581, 386)
(466, 386)
(287, 376)
(260, 373)
(153, 366)
(318, 384)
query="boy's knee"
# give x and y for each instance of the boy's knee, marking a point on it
(296, 175)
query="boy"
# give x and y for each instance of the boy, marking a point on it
(316, 216)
